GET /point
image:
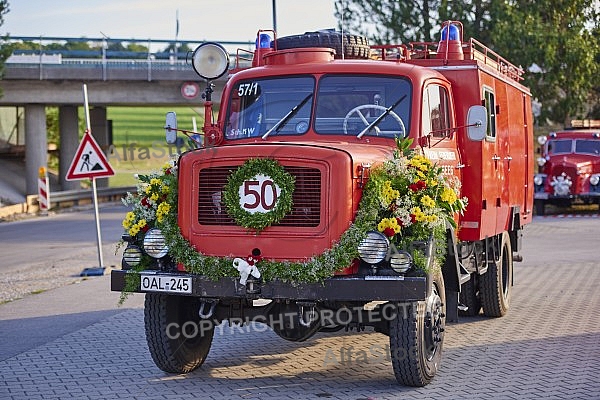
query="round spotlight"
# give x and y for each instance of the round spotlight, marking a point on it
(401, 262)
(210, 61)
(541, 161)
(131, 257)
(542, 140)
(154, 243)
(373, 248)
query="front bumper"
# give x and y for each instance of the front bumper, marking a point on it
(386, 288)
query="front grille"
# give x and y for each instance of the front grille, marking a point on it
(306, 209)
(569, 170)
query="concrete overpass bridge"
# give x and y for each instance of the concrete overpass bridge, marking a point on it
(35, 80)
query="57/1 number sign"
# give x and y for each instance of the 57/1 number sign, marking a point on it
(259, 194)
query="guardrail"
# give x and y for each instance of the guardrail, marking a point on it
(67, 198)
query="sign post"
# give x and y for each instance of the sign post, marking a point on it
(90, 163)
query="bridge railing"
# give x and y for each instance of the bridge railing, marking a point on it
(99, 62)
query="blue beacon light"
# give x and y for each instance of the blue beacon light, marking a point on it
(263, 41)
(451, 31)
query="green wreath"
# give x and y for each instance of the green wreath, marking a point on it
(282, 203)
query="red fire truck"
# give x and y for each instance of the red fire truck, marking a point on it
(569, 167)
(327, 109)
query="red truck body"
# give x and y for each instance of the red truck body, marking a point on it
(463, 107)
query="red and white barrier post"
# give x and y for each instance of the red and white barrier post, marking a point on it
(43, 190)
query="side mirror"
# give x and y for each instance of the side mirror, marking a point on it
(477, 123)
(171, 127)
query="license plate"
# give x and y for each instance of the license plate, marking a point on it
(166, 284)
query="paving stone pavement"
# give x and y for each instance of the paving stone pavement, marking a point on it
(547, 347)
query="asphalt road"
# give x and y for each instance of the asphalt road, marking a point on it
(74, 342)
(60, 238)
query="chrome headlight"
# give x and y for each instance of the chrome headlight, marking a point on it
(538, 180)
(131, 256)
(542, 140)
(154, 243)
(373, 248)
(541, 161)
(594, 179)
(401, 262)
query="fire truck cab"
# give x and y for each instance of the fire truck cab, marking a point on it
(569, 167)
(328, 107)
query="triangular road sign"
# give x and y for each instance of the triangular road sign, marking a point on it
(89, 161)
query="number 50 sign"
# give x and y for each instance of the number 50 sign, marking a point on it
(259, 194)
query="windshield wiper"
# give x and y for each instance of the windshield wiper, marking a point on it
(281, 123)
(380, 118)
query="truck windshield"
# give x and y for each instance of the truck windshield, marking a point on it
(347, 104)
(560, 146)
(587, 147)
(257, 105)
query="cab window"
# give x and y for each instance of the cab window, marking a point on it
(348, 104)
(587, 147)
(489, 101)
(256, 106)
(436, 118)
(560, 146)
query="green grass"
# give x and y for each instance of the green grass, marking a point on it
(139, 139)
(144, 125)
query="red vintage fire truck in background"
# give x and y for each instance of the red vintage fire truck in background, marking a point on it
(569, 167)
(328, 107)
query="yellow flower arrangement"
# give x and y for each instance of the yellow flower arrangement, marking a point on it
(153, 201)
(416, 200)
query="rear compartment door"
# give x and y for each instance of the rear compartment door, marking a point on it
(491, 165)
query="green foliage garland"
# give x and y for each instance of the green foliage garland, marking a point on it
(406, 198)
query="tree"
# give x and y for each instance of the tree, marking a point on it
(392, 21)
(5, 49)
(388, 21)
(475, 16)
(558, 37)
(182, 48)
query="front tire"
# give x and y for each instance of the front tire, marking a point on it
(177, 339)
(496, 283)
(417, 337)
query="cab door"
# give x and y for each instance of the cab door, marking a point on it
(437, 129)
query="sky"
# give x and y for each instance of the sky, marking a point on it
(199, 20)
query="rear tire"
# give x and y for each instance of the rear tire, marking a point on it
(496, 283)
(354, 47)
(177, 340)
(417, 337)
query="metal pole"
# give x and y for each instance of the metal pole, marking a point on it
(94, 190)
(274, 16)
(97, 216)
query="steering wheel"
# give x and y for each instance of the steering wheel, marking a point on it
(358, 110)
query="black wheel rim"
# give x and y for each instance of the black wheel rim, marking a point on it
(433, 325)
(505, 268)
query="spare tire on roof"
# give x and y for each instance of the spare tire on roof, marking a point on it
(355, 47)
